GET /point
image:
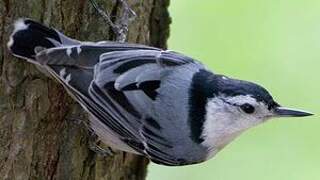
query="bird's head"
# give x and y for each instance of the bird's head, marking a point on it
(233, 106)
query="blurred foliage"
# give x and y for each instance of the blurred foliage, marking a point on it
(274, 43)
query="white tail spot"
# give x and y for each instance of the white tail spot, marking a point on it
(10, 42)
(78, 49)
(68, 78)
(69, 51)
(62, 72)
(20, 25)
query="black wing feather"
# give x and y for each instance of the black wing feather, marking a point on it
(116, 108)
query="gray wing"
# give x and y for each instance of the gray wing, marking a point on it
(129, 84)
(119, 85)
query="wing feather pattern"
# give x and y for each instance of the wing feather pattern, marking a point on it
(113, 81)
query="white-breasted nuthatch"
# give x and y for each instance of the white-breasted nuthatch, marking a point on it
(160, 104)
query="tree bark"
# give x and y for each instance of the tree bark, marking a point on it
(38, 138)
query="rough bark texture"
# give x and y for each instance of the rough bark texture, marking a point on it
(37, 139)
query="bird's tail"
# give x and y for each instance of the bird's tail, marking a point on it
(30, 37)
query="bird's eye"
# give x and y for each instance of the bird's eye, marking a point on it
(247, 108)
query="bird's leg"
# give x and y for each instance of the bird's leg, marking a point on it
(94, 146)
(120, 28)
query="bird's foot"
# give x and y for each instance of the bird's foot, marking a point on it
(93, 138)
(95, 147)
(121, 27)
(76, 120)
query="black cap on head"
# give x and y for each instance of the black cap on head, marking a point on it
(232, 87)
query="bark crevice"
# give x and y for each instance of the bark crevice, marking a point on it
(37, 139)
(159, 23)
(4, 13)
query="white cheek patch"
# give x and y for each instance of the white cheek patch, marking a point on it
(218, 126)
(225, 120)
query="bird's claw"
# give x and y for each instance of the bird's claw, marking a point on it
(95, 147)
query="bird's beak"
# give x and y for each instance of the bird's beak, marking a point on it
(289, 112)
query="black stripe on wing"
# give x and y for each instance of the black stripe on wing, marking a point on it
(94, 108)
(150, 142)
(126, 66)
(148, 87)
(121, 99)
(106, 102)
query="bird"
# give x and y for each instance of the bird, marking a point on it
(157, 103)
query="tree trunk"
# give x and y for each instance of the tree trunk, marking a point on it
(39, 136)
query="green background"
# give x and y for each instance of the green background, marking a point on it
(275, 43)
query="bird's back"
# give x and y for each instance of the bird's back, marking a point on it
(138, 96)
